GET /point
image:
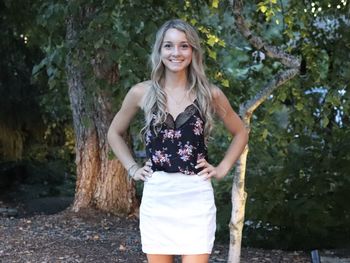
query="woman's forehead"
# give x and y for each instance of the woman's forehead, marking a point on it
(175, 35)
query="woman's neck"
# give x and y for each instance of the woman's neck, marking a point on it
(175, 80)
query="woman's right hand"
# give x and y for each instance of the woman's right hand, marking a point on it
(143, 173)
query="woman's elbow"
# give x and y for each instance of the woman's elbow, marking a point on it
(110, 135)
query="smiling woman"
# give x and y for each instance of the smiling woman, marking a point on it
(177, 213)
(176, 52)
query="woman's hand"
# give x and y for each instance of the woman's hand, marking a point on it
(209, 170)
(143, 172)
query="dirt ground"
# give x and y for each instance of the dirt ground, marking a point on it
(92, 236)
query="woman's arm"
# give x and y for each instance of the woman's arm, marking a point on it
(131, 104)
(236, 128)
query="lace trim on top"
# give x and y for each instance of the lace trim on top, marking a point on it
(182, 118)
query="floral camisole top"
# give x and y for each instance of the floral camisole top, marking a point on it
(179, 143)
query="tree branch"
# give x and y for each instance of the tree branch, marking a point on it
(249, 107)
(271, 51)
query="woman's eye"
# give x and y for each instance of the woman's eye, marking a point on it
(167, 46)
(184, 46)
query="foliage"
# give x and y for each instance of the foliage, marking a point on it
(301, 192)
(297, 164)
(294, 139)
(34, 130)
(19, 107)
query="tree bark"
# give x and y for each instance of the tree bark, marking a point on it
(101, 183)
(238, 199)
(246, 111)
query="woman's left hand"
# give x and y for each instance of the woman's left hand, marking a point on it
(209, 170)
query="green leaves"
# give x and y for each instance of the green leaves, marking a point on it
(298, 160)
(269, 8)
(215, 3)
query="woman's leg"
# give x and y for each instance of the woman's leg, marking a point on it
(201, 258)
(154, 258)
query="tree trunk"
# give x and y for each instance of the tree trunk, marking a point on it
(101, 183)
(238, 199)
(115, 191)
(246, 111)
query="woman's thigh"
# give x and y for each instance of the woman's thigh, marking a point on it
(154, 258)
(202, 258)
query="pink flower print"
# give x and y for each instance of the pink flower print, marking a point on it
(198, 126)
(185, 152)
(148, 137)
(161, 158)
(171, 134)
(177, 134)
(168, 134)
(185, 171)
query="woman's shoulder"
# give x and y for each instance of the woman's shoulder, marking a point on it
(219, 100)
(216, 92)
(140, 90)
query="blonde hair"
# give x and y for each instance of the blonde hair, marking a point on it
(198, 84)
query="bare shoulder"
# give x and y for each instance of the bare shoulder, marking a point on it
(220, 102)
(139, 91)
(217, 93)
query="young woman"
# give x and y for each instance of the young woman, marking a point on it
(177, 213)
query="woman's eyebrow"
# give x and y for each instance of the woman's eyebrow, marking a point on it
(181, 42)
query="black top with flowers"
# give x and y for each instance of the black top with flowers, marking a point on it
(178, 144)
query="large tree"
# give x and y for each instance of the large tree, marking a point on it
(81, 64)
(99, 63)
(101, 181)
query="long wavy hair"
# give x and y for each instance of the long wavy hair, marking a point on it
(197, 83)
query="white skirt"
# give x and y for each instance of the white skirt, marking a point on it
(177, 215)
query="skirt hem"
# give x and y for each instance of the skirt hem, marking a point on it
(174, 252)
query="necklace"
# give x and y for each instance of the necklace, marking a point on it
(178, 103)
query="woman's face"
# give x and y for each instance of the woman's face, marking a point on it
(176, 52)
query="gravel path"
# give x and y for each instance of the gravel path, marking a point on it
(91, 236)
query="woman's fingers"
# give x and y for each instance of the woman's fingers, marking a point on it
(212, 174)
(208, 174)
(201, 163)
(147, 169)
(205, 165)
(146, 173)
(143, 172)
(141, 177)
(207, 171)
(204, 171)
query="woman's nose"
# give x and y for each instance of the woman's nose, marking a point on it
(176, 51)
